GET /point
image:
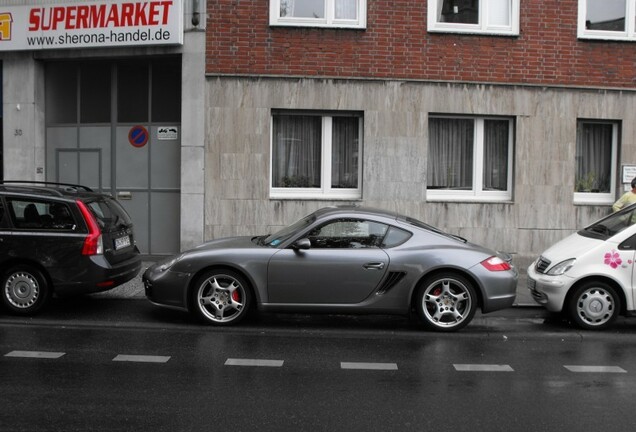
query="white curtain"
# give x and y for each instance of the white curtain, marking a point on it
(346, 9)
(450, 153)
(297, 151)
(496, 135)
(345, 152)
(499, 13)
(593, 157)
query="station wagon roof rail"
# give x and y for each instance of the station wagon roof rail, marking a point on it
(46, 187)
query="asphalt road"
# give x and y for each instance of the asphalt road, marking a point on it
(116, 365)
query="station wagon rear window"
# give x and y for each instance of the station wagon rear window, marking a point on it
(109, 213)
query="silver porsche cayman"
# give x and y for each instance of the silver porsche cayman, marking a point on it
(338, 260)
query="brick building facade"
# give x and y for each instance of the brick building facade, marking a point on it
(397, 45)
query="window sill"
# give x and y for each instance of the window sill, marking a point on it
(607, 37)
(449, 196)
(305, 24)
(455, 201)
(304, 196)
(477, 32)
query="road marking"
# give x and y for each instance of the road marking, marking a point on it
(254, 362)
(482, 368)
(368, 366)
(35, 354)
(141, 358)
(595, 369)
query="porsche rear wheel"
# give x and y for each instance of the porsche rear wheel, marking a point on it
(221, 297)
(446, 302)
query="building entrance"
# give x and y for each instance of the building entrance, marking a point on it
(115, 126)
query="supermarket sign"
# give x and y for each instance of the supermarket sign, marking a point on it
(91, 24)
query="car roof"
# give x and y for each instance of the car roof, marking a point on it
(46, 189)
(356, 210)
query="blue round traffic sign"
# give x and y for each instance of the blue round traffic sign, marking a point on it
(138, 136)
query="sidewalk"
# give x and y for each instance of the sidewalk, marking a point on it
(135, 289)
(132, 290)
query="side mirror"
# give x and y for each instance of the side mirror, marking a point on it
(302, 244)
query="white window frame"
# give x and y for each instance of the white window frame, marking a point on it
(325, 191)
(477, 194)
(328, 21)
(483, 27)
(630, 24)
(597, 197)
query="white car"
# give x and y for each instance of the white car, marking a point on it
(590, 274)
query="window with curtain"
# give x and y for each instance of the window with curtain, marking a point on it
(316, 155)
(469, 158)
(318, 13)
(607, 19)
(596, 156)
(474, 16)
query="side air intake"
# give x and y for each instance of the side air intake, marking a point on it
(390, 281)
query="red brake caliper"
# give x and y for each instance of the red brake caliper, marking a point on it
(236, 296)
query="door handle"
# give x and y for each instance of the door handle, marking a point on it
(374, 266)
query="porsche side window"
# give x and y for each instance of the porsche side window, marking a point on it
(395, 237)
(348, 234)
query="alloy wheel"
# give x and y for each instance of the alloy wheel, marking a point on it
(221, 298)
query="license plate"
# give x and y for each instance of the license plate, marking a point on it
(122, 242)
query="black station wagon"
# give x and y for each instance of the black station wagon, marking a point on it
(61, 239)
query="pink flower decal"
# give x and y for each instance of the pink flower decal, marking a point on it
(613, 259)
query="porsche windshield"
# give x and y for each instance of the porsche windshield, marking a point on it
(612, 224)
(286, 233)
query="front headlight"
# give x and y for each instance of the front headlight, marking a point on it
(562, 267)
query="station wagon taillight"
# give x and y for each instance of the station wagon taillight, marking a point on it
(93, 243)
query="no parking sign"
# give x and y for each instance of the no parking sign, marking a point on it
(138, 136)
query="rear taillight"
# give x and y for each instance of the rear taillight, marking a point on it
(93, 243)
(496, 264)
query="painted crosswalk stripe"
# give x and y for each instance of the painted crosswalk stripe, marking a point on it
(482, 368)
(368, 366)
(254, 362)
(141, 358)
(595, 369)
(35, 354)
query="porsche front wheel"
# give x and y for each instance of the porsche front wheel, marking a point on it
(221, 297)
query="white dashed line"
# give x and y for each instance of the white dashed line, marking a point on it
(482, 368)
(343, 365)
(254, 362)
(35, 354)
(368, 366)
(595, 369)
(141, 358)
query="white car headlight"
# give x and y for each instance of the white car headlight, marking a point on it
(562, 267)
